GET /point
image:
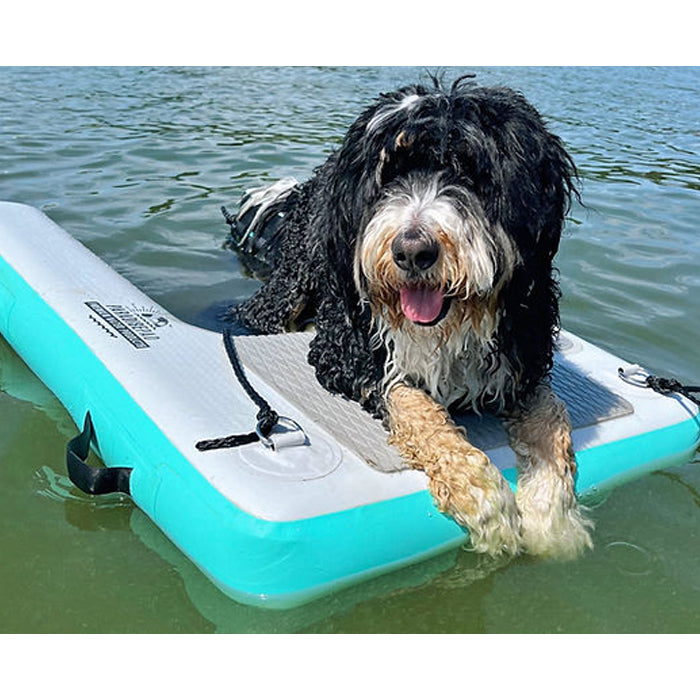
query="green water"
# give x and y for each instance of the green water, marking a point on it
(136, 163)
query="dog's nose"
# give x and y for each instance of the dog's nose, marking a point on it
(414, 251)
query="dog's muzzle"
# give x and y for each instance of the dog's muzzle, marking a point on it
(414, 252)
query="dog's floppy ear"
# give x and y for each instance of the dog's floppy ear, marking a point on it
(555, 175)
(351, 183)
(531, 179)
(372, 150)
(341, 351)
(526, 180)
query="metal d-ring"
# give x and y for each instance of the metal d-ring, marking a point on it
(634, 375)
(282, 421)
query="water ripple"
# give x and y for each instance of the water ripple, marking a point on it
(630, 559)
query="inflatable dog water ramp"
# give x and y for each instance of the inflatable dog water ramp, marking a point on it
(328, 503)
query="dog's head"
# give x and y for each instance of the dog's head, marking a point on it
(444, 198)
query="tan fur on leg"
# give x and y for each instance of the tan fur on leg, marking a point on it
(552, 521)
(463, 481)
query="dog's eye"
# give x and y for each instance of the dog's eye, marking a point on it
(404, 141)
(466, 161)
(394, 165)
(400, 155)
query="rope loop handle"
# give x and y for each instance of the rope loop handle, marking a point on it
(636, 376)
(267, 418)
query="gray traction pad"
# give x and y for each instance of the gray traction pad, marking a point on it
(281, 361)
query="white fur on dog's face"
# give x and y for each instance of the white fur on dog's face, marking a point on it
(467, 261)
(475, 259)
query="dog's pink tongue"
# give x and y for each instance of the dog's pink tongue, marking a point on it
(420, 304)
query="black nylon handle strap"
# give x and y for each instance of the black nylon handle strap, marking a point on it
(93, 480)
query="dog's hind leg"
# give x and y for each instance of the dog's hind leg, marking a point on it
(277, 305)
(553, 522)
(272, 240)
(462, 479)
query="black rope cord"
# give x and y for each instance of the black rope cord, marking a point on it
(670, 386)
(663, 385)
(267, 418)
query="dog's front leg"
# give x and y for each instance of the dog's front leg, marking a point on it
(540, 435)
(463, 481)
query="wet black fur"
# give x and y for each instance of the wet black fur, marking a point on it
(490, 140)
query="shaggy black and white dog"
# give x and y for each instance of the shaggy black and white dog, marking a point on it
(422, 249)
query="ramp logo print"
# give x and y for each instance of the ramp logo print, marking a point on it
(139, 325)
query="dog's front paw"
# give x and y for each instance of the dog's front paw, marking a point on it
(462, 479)
(554, 525)
(473, 492)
